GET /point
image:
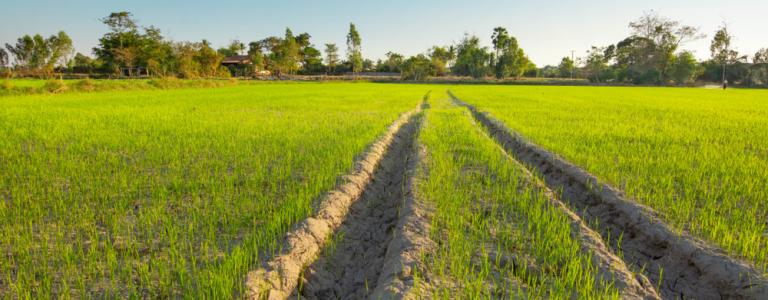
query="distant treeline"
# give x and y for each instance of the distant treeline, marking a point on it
(652, 54)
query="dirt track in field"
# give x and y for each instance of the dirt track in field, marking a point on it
(351, 267)
(690, 268)
(377, 173)
(610, 268)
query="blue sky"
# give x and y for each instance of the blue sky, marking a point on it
(546, 29)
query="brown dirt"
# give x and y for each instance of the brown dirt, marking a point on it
(411, 239)
(609, 266)
(279, 277)
(692, 269)
(358, 265)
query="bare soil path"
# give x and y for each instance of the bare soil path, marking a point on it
(350, 269)
(372, 194)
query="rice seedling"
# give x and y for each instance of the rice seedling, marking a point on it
(497, 234)
(697, 157)
(174, 193)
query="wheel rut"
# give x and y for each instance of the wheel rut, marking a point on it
(352, 266)
(363, 209)
(681, 266)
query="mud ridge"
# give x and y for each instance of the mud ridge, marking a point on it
(410, 240)
(279, 277)
(351, 268)
(682, 266)
(610, 268)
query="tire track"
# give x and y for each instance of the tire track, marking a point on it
(610, 268)
(279, 277)
(680, 265)
(352, 270)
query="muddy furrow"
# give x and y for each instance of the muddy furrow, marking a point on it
(350, 268)
(279, 277)
(681, 266)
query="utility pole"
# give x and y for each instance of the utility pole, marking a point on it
(573, 62)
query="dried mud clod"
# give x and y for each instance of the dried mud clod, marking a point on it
(370, 197)
(689, 268)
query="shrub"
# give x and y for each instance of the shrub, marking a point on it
(223, 72)
(166, 82)
(55, 86)
(86, 85)
(6, 73)
(6, 85)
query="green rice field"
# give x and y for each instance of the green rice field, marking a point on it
(167, 193)
(178, 189)
(487, 214)
(697, 157)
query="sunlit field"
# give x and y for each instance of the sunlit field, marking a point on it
(497, 235)
(697, 157)
(179, 189)
(157, 194)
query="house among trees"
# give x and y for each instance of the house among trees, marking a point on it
(237, 60)
(238, 65)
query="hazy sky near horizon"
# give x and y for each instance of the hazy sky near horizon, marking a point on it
(547, 29)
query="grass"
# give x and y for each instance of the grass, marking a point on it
(170, 194)
(19, 87)
(698, 157)
(497, 234)
(172, 189)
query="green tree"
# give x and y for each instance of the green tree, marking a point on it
(595, 64)
(40, 56)
(257, 56)
(81, 63)
(235, 47)
(761, 56)
(40, 53)
(441, 57)
(59, 50)
(664, 36)
(418, 67)
(155, 53)
(721, 50)
(184, 56)
(646, 56)
(368, 65)
(393, 63)
(354, 50)
(290, 56)
(125, 46)
(312, 60)
(22, 51)
(566, 67)
(331, 57)
(500, 39)
(760, 67)
(284, 53)
(510, 59)
(119, 47)
(471, 59)
(684, 68)
(208, 60)
(634, 58)
(4, 58)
